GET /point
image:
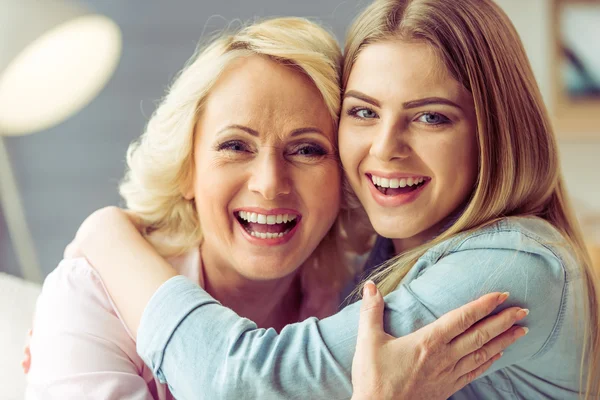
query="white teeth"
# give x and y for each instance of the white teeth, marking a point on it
(266, 219)
(395, 183)
(268, 235)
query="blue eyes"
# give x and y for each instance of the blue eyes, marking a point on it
(233, 145)
(428, 118)
(362, 113)
(366, 113)
(433, 119)
(310, 150)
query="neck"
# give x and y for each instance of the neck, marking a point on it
(406, 244)
(269, 303)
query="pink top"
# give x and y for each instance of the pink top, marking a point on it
(81, 349)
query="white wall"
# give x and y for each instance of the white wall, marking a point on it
(580, 157)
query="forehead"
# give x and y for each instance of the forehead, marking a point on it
(266, 96)
(406, 70)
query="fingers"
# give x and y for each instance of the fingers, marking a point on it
(469, 377)
(371, 312)
(455, 322)
(483, 331)
(26, 362)
(478, 358)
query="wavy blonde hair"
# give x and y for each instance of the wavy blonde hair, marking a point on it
(160, 163)
(519, 173)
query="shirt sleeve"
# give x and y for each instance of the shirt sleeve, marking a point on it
(80, 349)
(202, 348)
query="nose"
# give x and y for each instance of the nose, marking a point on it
(269, 176)
(390, 143)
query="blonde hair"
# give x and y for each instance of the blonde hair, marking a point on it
(160, 163)
(519, 173)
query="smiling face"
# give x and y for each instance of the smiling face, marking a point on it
(407, 140)
(266, 179)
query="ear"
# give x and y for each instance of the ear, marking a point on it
(189, 195)
(187, 187)
(187, 190)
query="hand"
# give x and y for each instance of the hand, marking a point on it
(26, 362)
(438, 359)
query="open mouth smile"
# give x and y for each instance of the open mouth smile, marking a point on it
(274, 226)
(395, 186)
(394, 191)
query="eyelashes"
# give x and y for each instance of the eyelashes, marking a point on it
(429, 118)
(354, 113)
(305, 150)
(232, 145)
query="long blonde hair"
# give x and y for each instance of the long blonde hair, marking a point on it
(160, 163)
(519, 173)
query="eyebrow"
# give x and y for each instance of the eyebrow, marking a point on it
(362, 96)
(409, 104)
(253, 132)
(430, 100)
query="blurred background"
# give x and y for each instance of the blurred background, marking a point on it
(65, 172)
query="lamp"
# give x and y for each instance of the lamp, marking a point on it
(55, 57)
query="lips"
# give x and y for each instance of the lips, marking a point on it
(396, 191)
(263, 226)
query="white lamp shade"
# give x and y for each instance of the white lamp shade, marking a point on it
(55, 61)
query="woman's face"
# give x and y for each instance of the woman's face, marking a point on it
(266, 179)
(407, 140)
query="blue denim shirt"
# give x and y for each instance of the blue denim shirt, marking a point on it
(206, 351)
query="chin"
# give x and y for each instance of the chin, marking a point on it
(267, 272)
(392, 229)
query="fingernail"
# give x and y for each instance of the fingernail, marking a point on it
(522, 313)
(503, 297)
(369, 289)
(522, 332)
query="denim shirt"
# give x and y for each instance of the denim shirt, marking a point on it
(206, 351)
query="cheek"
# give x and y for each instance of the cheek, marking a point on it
(320, 190)
(454, 164)
(352, 151)
(214, 189)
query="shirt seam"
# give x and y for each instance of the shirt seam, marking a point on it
(559, 318)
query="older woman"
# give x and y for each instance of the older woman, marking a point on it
(236, 181)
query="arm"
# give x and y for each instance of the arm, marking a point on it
(80, 348)
(200, 347)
